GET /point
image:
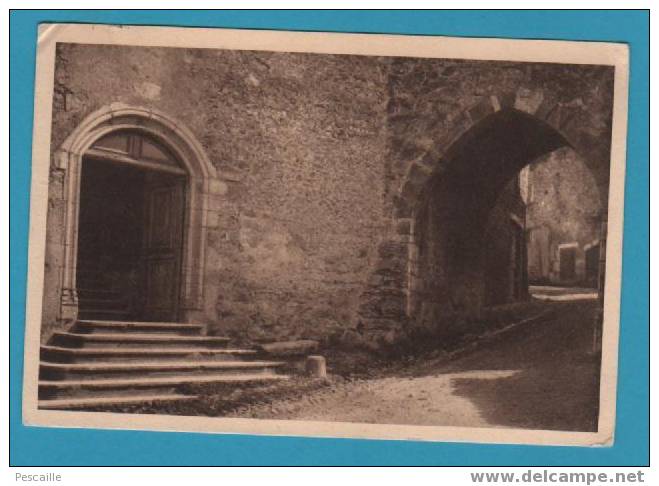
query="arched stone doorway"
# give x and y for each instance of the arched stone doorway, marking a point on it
(459, 260)
(460, 178)
(185, 179)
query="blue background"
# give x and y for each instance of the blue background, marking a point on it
(50, 446)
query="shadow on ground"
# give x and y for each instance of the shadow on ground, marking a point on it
(537, 399)
(555, 380)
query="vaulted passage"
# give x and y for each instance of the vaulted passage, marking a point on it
(469, 233)
(130, 231)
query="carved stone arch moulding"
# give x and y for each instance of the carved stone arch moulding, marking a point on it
(203, 183)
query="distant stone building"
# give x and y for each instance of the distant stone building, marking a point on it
(279, 196)
(563, 220)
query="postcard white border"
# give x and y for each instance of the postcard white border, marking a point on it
(566, 52)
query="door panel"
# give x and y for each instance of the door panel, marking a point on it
(162, 229)
(162, 247)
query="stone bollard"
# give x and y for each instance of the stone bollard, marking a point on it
(316, 367)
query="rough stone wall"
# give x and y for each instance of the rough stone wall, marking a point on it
(564, 207)
(434, 278)
(54, 256)
(312, 237)
(504, 227)
(300, 141)
(462, 260)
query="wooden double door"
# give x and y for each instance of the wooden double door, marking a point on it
(130, 231)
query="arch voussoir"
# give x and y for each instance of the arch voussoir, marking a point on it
(507, 99)
(423, 168)
(528, 100)
(486, 106)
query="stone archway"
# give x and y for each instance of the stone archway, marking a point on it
(386, 302)
(556, 119)
(203, 183)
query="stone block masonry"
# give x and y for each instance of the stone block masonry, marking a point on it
(323, 164)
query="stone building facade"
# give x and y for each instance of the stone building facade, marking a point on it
(563, 221)
(306, 182)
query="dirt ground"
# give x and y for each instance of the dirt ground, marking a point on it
(540, 375)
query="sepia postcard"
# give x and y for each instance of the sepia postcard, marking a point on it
(326, 235)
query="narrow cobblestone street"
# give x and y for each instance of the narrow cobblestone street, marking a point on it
(540, 375)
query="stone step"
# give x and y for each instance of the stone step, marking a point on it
(91, 281)
(100, 301)
(70, 388)
(100, 326)
(76, 355)
(71, 339)
(62, 371)
(89, 402)
(96, 292)
(103, 313)
(103, 362)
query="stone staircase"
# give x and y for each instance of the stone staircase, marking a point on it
(101, 363)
